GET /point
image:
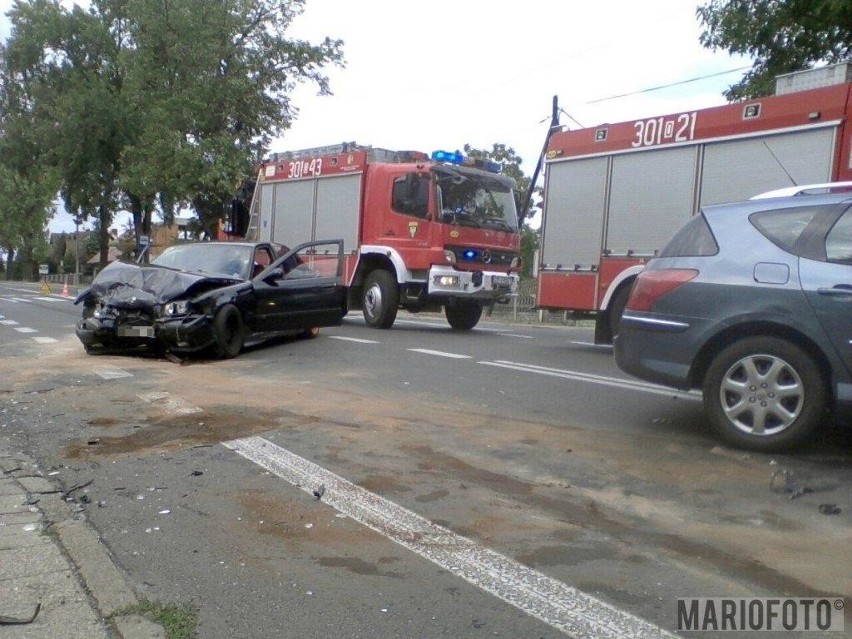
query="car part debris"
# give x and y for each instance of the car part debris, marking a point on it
(829, 509)
(319, 492)
(20, 621)
(787, 484)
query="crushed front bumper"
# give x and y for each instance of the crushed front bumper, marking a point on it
(480, 285)
(181, 335)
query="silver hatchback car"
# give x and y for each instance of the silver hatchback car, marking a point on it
(751, 302)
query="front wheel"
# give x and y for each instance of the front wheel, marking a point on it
(463, 315)
(764, 393)
(228, 332)
(380, 301)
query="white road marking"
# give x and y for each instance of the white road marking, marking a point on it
(26, 329)
(579, 343)
(353, 339)
(596, 379)
(171, 405)
(517, 335)
(8, 299)
(52, 299)
(112, 373)
(8, 322)
(18, 299)
(557, 604)
(45, 340)
(426, 351)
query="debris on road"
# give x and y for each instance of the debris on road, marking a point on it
(829, 509)
(787, 484)
(319, 492)
(19, 621)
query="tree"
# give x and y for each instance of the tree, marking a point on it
(781, 35)
(141, 103)
(511, 167)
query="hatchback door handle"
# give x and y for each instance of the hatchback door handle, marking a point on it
(841, 290)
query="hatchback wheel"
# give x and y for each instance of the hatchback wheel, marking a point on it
(764, 393)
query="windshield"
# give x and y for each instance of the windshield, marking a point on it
(474, 200)
(211, 259)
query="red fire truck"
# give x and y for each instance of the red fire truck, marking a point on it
(421, 232)
(614, 194)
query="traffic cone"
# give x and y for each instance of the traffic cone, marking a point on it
(65, 291)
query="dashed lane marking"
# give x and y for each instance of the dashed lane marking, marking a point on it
(426, 351)
(112, 373)
(25, 329)
(517, 335)
(595, 379)
(170, 404)
(51, 299)
(6, 322)
(353, 339)
(555, 603)
(45, 340)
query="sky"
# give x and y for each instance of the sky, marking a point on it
(445, 73)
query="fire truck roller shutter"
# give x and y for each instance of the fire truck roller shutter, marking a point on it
(292, 223)
(652, 197)
(337, 209)
(739, 169)
(575, 210)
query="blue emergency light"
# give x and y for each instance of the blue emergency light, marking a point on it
(457, 158)
(448, 156)
(469, 254)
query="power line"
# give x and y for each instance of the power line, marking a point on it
(664, 86)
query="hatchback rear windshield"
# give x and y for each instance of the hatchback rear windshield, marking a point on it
(694, 239)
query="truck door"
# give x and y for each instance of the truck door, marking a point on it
(407, 225)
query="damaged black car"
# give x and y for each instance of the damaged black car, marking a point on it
(214, 297)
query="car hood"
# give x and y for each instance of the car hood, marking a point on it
(132, 286)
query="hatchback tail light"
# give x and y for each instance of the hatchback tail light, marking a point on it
(650, 286)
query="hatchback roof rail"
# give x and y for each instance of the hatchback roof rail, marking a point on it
(826, 187)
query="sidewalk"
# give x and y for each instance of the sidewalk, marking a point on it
(57, 580)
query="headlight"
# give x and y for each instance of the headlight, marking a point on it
(447, 280)
(176, 308)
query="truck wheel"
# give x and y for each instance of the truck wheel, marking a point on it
(228, 332)
(616, 309)
(764, 393)
(381, 299)
(463, 315)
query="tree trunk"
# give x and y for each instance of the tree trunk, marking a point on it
(103, 218)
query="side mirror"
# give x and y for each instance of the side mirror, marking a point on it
(274, 275)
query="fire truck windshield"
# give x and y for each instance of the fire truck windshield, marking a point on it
(476, 199)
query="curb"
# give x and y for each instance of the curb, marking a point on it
(85, 552)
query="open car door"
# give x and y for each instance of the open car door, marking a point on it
(302, 289)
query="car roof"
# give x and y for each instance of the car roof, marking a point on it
(747, 207)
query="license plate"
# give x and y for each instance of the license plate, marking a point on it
(502, 280)
(136, 331)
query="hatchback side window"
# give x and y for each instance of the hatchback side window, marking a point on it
(784, 227)
(694, 239)
(838, 243)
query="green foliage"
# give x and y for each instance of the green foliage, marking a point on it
(178, 621)
(781, 35)
(147, 103)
